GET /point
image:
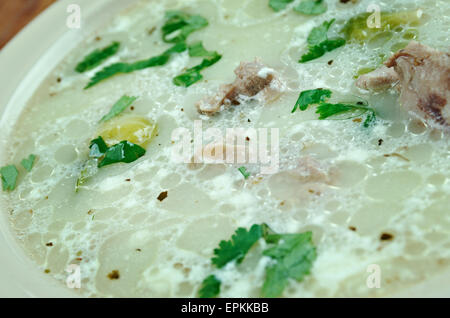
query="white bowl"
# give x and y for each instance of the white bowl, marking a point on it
(24, 63)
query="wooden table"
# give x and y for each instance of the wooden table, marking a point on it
(15, 14)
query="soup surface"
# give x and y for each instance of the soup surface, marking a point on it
(376, 195)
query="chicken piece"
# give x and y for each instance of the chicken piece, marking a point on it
(252, 79)
(423, 74)
(380, 79)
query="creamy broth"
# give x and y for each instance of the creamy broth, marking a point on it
(392, 178)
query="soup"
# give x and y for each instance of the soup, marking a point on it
(358, 192)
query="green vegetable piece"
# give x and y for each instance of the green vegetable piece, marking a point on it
(244, 172)
(28, 163)
(311, 7)
(238, 246)
(122, 68)
(294, 256)
(96, 57)
(357, 29)
(123, 103)
(98, 148)
(278, 5)
(193, 75)
(319, 44)
(124, 151)
(210, 287)
(311, 97)
(180, 25)
(9, 177)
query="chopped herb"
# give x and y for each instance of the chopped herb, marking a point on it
(326, 110)
(311, 7)
(278, 5)
(122, 68)
(124, 151)
(319, 43)
(28, 163)
(238, 246)
(97, 57)
(210, 287)
(180, 25)
(294, 256)
(97, 148)
(193, 74)
(123, 103)
(9, 177)
(310, 97)
(244, 172)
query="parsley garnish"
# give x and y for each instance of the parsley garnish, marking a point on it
(124, 151)
(193, 74)
(28, 163)
(210, 287)
(97, 148)
(238, 246)
(319, 43)
(9, 177)
(244, 172)
(326, 110)
(294, 255)
(123, 103)
(121, 68)
(311, 7)
(278, 5)
(97, 57)
(309, 97)
(182, 25)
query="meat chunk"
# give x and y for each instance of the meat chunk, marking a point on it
(252, 79)
(424, 81)
(380, 79)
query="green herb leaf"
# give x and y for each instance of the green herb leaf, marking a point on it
(319, 44)
(96, 57)
(238, 246)
(310, 97)
(278, 5)
(210, 287)
(244, 172)
(193, 75)
(122, 68)
(124, 151)
(311, 7)
(327, 110)
(28, 163)
(294, 256)
(9, 177)
(123, 103)
(97, 148)
(180, 25)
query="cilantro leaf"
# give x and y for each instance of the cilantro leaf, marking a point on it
(28, 163)
(97, 148)
(122, 68)
(278, 5)
(182, 25)
(327, 110)
(210, 287)
(310, 97)
(96, 57)
(319, 43)
(294, 256)
(193, 75)
(123, 103)
(311, 7)
(238, 246)
(244, 172)
(124, 151)
(9, 177)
